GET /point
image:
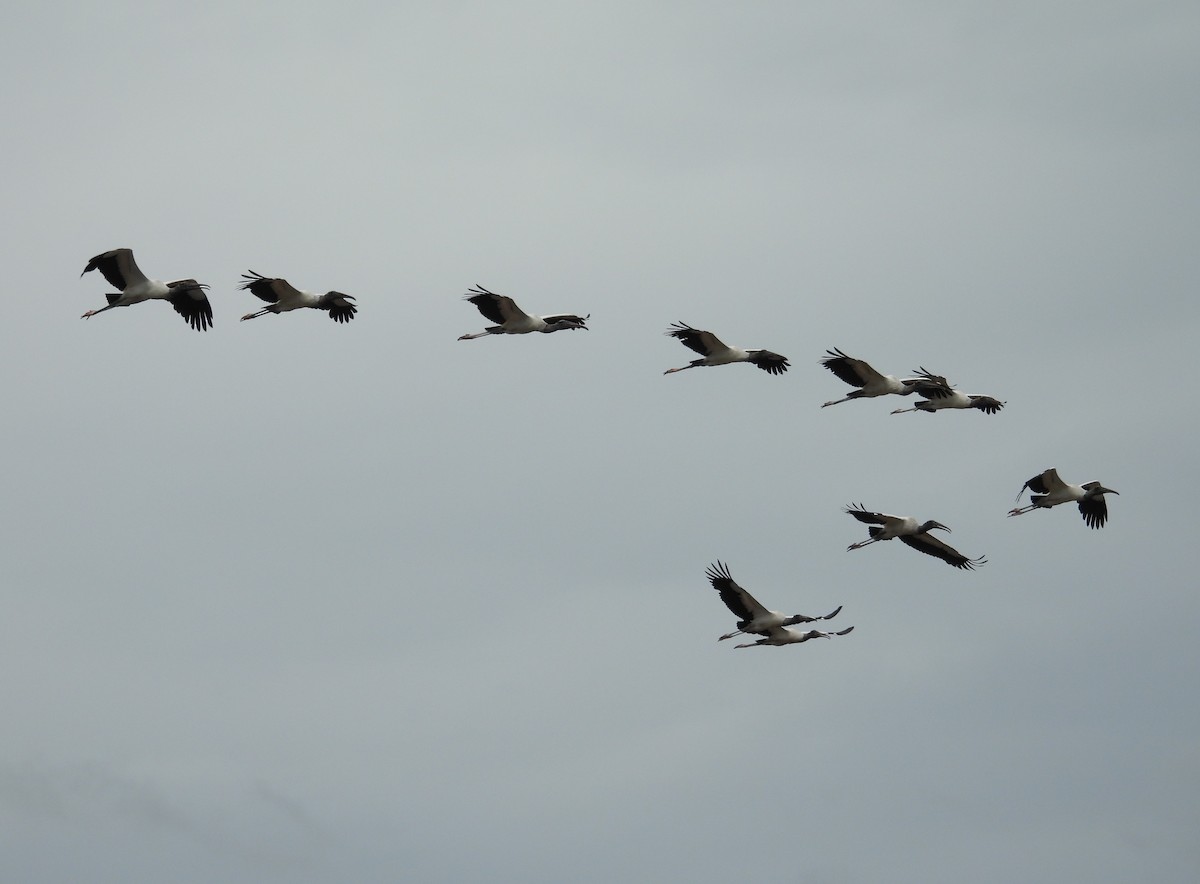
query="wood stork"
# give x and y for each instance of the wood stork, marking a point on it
(1049, 490)
(513, 320)
(715, 352)
(871, 383)
(782, 635)
(949, 398)
(912, 533)
(752, 616)
(283, 297)
(186, 295)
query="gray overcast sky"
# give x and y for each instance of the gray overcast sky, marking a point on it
(296, 602)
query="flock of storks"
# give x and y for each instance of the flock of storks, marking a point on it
(935, 393)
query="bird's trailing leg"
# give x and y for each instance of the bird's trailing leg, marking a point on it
(836, 401)
(472, 337)
(902, 410)
(1021, 510)
(861, 544)
(92, 313)
(681, 368)
(259, 313)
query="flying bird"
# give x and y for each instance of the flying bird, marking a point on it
(871, 383)
(513, 320)
(282, 297)
(952, 399)
(782, 635)
(715, 352)
(752, 616)
(186, 295)
(912, 533)
(1049, 490)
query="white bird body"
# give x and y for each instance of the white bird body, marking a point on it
(185, 295)
(783, 635)
(885, 526)
(515, 321)
(714, 351)
(1049, 490)
(953, 399)
(752, 616)
(871, 383)
(283, 297)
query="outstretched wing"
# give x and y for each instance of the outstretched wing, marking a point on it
(865, 515)
(741, 603)
(267, 288)
(569, 317)
(339, 306)
(118, 267)
(930, 386)
(498, 308)
(188, 298)
(1094, 510)
(853, 371)
(986, 404)
(933, 546)
(772, 363)
(703, 342)
(1045, 482)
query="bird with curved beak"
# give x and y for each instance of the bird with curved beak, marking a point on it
(1050, 490)
(911, 533)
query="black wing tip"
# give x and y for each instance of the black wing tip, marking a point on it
(717, 571)
(771, 363)
(1095, 513)
(202, 322)
(341, 312)
(969, 564)
(253, 278)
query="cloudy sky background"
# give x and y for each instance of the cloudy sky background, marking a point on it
(290, 601)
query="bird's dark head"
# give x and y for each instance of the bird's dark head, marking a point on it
(931, 524)
(339, 295)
